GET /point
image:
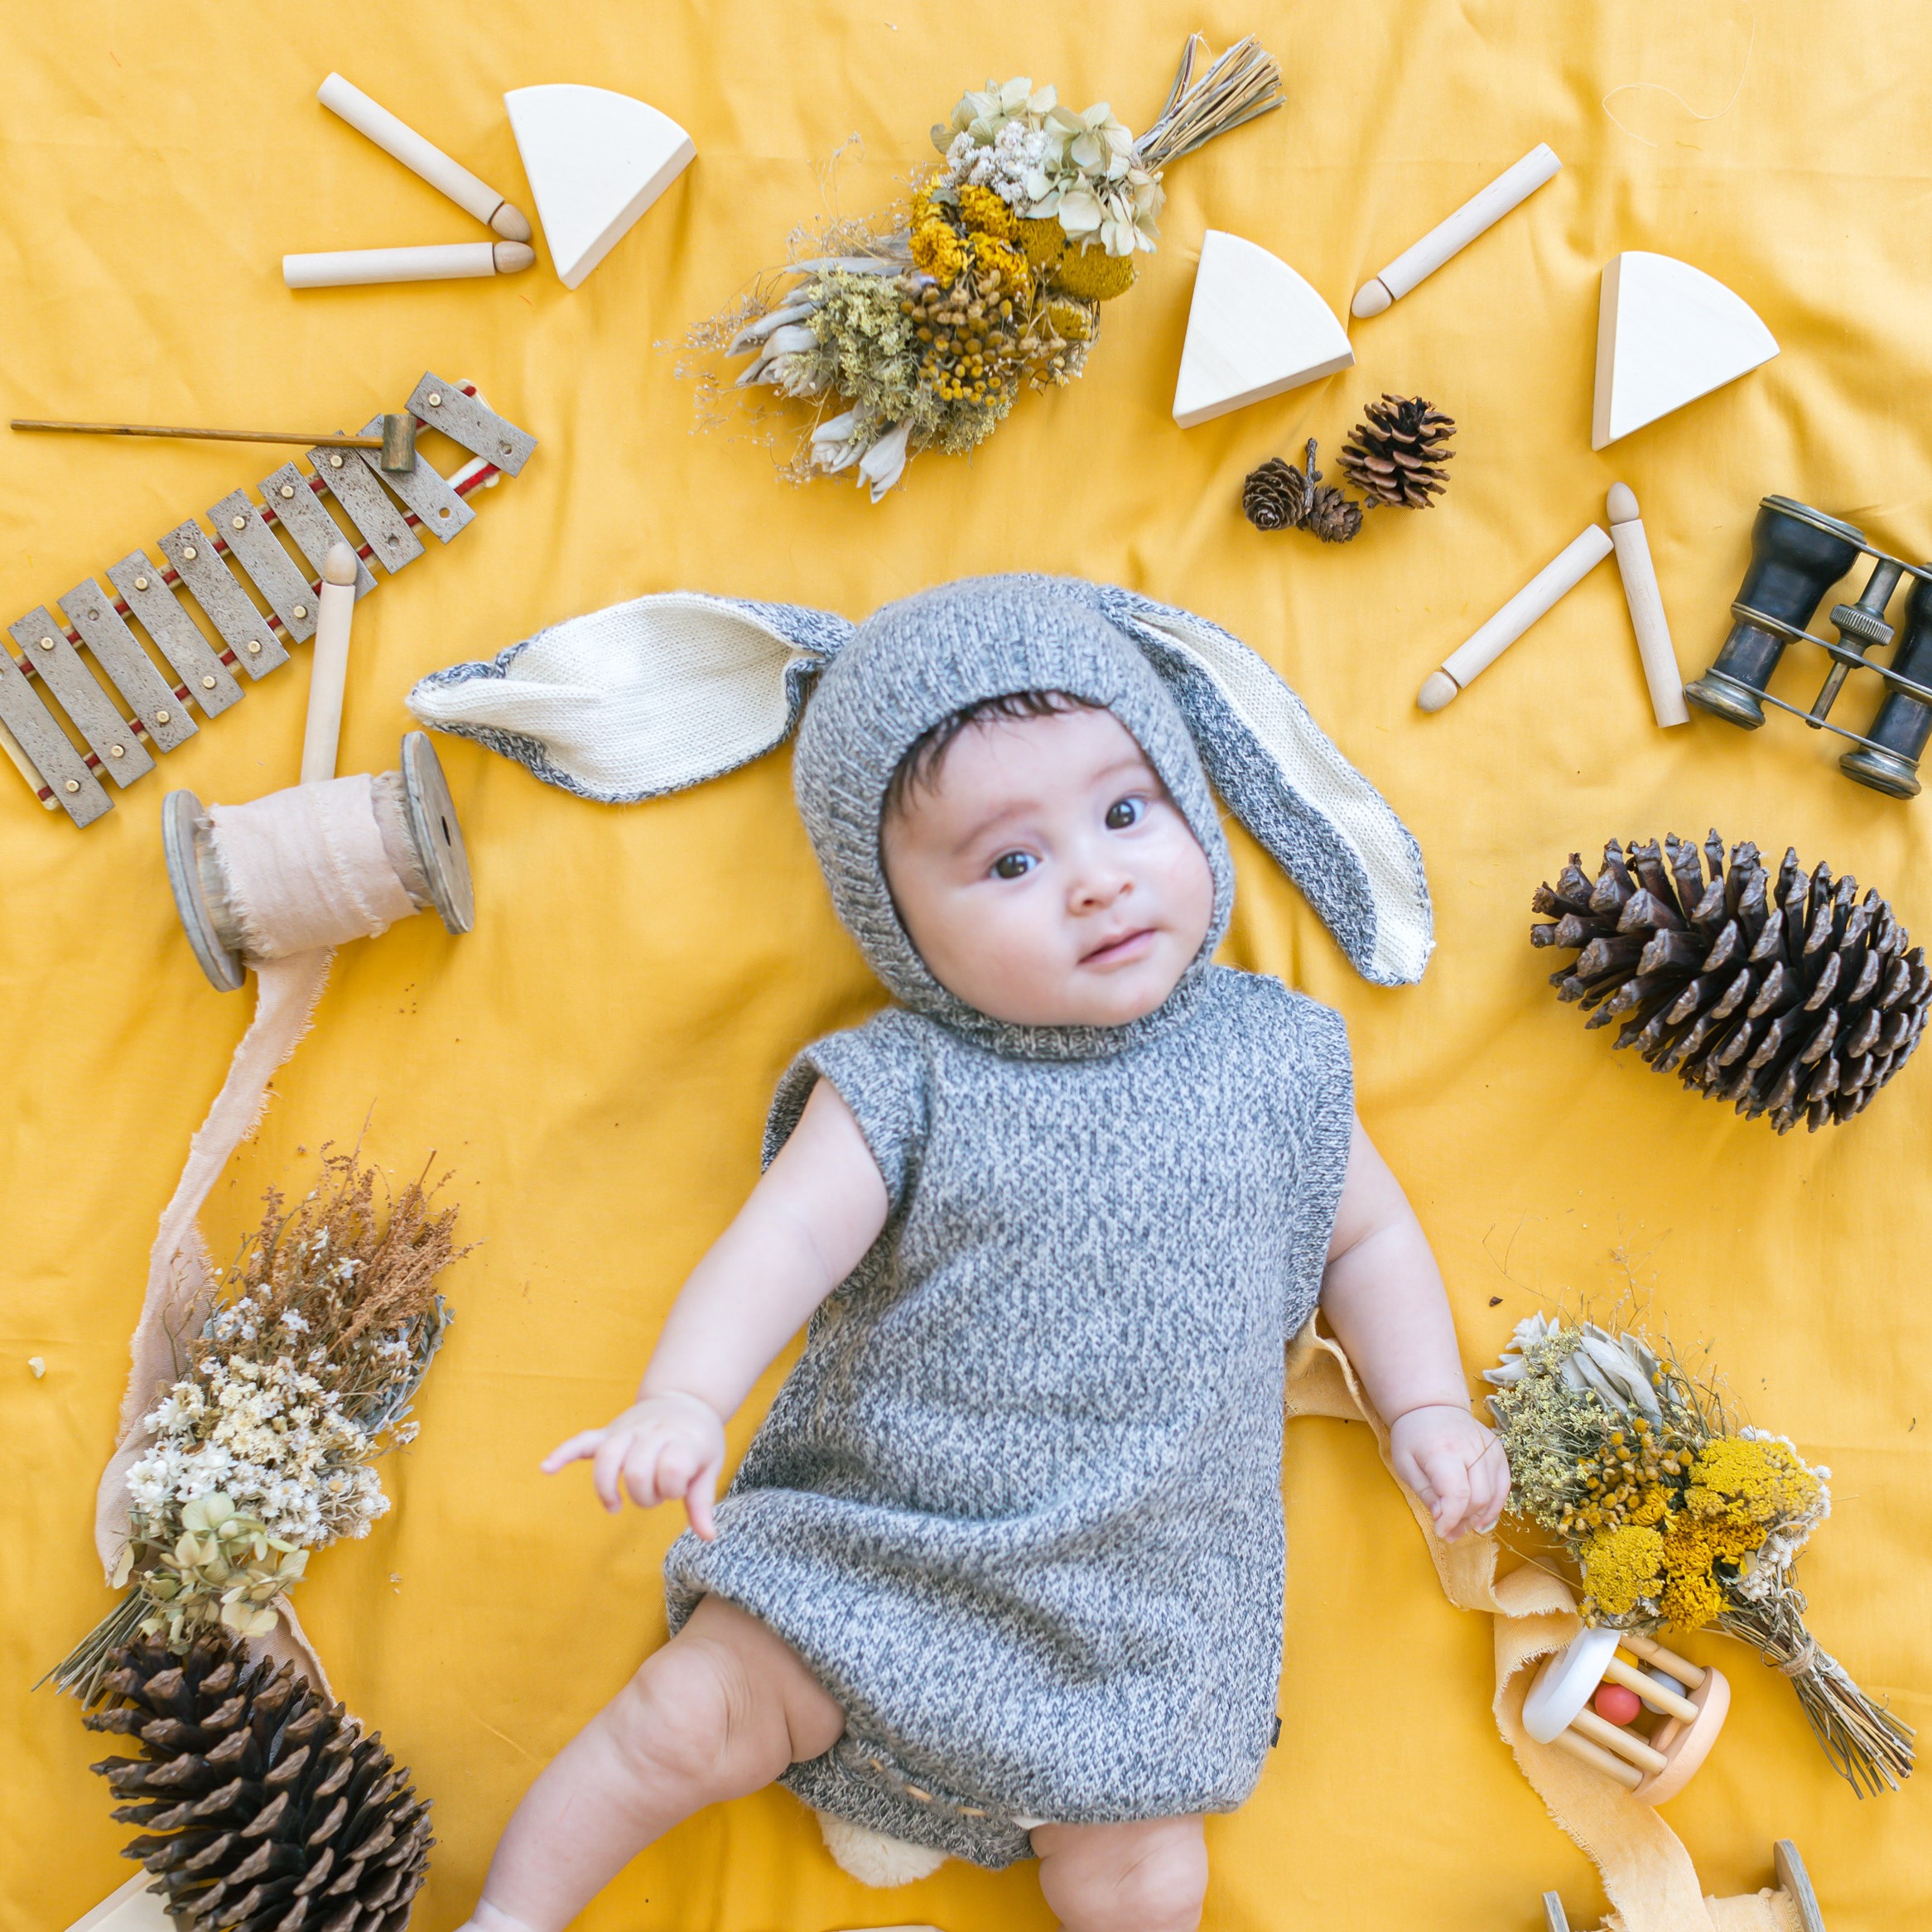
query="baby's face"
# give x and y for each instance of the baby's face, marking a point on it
(1046, 877)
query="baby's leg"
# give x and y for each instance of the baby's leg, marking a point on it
(1146, 1877)
(722, 1710)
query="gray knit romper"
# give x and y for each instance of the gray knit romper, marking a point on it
(1018, 1507)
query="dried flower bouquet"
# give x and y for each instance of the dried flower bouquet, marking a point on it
(1677, 1517)
(919, 329)
(296, 1378)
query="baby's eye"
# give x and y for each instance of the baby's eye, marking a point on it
(1125, 813)
(1013, 864)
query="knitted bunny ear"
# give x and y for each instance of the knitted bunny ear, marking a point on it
(1313, 813)
(643, 698)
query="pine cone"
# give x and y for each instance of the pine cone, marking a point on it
(1279, 497)
(269, 1810)
(1397, 456)
(1788, 1000)
(1332, 516)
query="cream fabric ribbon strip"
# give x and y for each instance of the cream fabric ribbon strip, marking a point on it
(303, 869)
(1647, 1875)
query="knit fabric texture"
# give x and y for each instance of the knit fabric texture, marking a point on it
(1018, 1507)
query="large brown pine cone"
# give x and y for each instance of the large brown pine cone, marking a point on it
(268, 1810)
(1797, 999)
(1398, 455)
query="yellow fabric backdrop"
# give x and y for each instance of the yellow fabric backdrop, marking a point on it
(595, 1061)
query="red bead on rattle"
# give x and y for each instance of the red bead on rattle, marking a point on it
(1614, 1702)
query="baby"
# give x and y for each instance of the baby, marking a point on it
(1002, 1573)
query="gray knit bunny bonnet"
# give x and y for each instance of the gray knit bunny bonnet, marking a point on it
(660, 694)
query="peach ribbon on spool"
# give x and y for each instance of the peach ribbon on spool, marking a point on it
(303, 869)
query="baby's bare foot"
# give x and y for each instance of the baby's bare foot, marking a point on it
(489, 1917)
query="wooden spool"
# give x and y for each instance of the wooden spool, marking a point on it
(1793, 1890)
(429, 819)
(1691, 1704)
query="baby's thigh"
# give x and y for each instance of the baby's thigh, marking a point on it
(1149, 1877)
(762, 1675)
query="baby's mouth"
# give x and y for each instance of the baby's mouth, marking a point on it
(1129, 945)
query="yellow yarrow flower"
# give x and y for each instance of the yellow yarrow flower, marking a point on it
(1093, 275)
(1755, 1478)
(938, 250)
(1690, 1601)
(984, 212)
(1002, 260)
(1622, 1566)
(1071, 321)
(1042, 240)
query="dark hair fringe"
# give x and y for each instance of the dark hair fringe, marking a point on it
(920, 764)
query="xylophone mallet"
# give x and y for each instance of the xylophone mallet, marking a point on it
(1557, 578)
(1654, 648)
(329, 667)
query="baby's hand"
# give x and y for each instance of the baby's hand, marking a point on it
(1454, 1464)
(665, 1446)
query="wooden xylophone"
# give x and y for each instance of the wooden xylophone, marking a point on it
(50, 665)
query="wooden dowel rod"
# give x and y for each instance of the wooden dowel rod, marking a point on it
(1577, 1746)
(1614, 1737)
(333, 442)
(1646, 1686)
(1653, 1652)
(328, 665)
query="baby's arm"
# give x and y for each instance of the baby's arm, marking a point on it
(809, 1221)
(1383, 1295)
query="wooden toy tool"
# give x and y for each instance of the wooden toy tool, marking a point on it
(1586, 1698)
(42, 673)
(1557, 578)
(1654, 650)
(396, 438)
(397, 138)
(1481, 211)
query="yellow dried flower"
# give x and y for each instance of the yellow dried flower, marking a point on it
(1093, 275)
(1622, 1566)
(984, 212)
(938, 250)
(1041, 241)
(1691, 1601)
(1071, 321)
(1757, 1479)
(1650, 1507)
(1001, 261)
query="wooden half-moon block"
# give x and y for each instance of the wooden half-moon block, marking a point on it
(1666, 334)
(1255, 329)
(596, 160)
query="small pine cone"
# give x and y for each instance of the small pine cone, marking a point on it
(267, 1809)
(1334, 517)
(1397, 456)
(1794, 999)
(1275, 496)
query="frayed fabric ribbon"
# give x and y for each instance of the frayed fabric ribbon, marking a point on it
(1647, 1875)
(302, 870)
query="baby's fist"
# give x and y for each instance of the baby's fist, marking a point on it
(664, 1446)
(1454, 1464)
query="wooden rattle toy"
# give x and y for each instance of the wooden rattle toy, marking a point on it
(384, 510)
(1586, 1698)
(1797, 554)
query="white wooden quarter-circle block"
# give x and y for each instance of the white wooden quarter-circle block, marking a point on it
(1666, 334)
(1255, 329)
(130, 1908)
(596, 160)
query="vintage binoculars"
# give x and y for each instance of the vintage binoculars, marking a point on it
(1797, 554)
